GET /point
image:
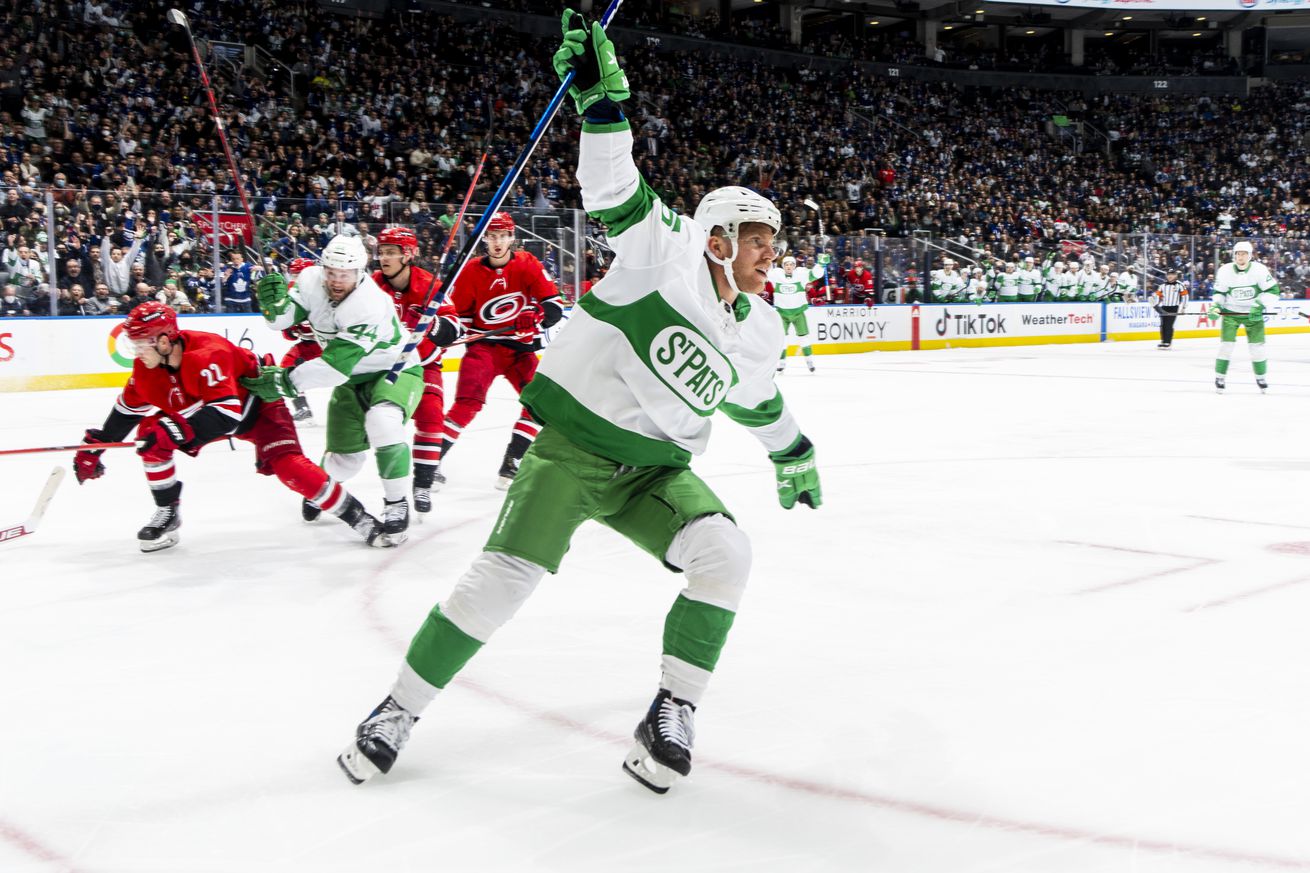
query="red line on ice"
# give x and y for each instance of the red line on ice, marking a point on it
(1197, 563)
(373, 589)
(30, 845)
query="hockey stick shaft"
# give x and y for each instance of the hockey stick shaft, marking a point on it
(38, 512)
(474, 337)
(90, 447)
(506, 184)
(179, 18)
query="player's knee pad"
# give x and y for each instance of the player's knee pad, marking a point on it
(490, 592)
(715, 556)
(385, 425)
(342, 466)
(1257, 352)
(1226, 350)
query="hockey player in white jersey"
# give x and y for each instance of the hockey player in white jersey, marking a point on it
(356, 323)
(975, 290)
(672, 333)
(1243, 289)
(947, 284)
(791, 302)
(1030, 280)
(1007, 284)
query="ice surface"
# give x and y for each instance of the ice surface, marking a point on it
(1051, 617)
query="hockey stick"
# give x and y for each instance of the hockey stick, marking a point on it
(176, 16)
(42, 501)
(90, 447)
(827, 289)
(507, 183)
(474, 337)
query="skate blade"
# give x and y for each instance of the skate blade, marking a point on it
(646, 770)
(167, 541)
(387, 541)
(358, 768)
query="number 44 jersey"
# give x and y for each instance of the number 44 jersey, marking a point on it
(361, 336)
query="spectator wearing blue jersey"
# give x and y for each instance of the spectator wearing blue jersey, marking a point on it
(236, 283)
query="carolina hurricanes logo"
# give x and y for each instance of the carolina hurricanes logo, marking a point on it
(502, 308)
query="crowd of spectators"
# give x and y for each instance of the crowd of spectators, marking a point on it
(383, 121)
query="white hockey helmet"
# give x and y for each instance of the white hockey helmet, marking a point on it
(344, 253)
(733, 206)
(789, 261)
(1243, 246)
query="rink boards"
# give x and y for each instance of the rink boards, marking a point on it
(39, 354)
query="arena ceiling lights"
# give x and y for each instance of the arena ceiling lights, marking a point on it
(1166, 5)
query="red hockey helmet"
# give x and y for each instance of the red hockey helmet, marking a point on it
(859, 264)
(299, 264)
(149, 320)
(399, 236)
(501, 221)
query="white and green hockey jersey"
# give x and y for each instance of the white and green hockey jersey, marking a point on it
(1007, 286)
(1030, 281)
(947, 284)
(1235, 290)
(1125, 283)
(789, 291)
(361, 336)
(652, 352)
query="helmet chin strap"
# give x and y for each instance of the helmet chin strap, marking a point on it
(726, 264)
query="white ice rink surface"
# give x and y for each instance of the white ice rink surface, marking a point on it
(1051, 618)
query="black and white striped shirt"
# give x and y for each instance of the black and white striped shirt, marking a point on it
(1171, 293)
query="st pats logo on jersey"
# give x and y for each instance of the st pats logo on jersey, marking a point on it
(686, 362)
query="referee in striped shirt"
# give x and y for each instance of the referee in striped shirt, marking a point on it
(1169, 299)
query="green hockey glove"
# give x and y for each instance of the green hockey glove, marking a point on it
(1213, 312)
(823, 259)
(271, 292)
(591, 57)
(272, 383)
(798, 477)
(1257, 310)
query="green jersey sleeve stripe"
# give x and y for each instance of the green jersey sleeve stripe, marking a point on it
(552, 404)
(758, 416)
(631, 211)
(343, 355)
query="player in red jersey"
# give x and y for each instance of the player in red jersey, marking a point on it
(410, 286)
(306, 346)
(504, 289)
(182, 395)
(859, 284)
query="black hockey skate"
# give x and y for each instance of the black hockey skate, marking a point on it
(395, 521)
(809, 362)
(1219, 384)
(428, 479)
(309, 511)
(300, 409)
(362, 522)
(1261, 384)
(664, 741)
(378, 740)
(509, 468)
(161, 531)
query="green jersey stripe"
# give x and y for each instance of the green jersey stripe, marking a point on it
(550, 403)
